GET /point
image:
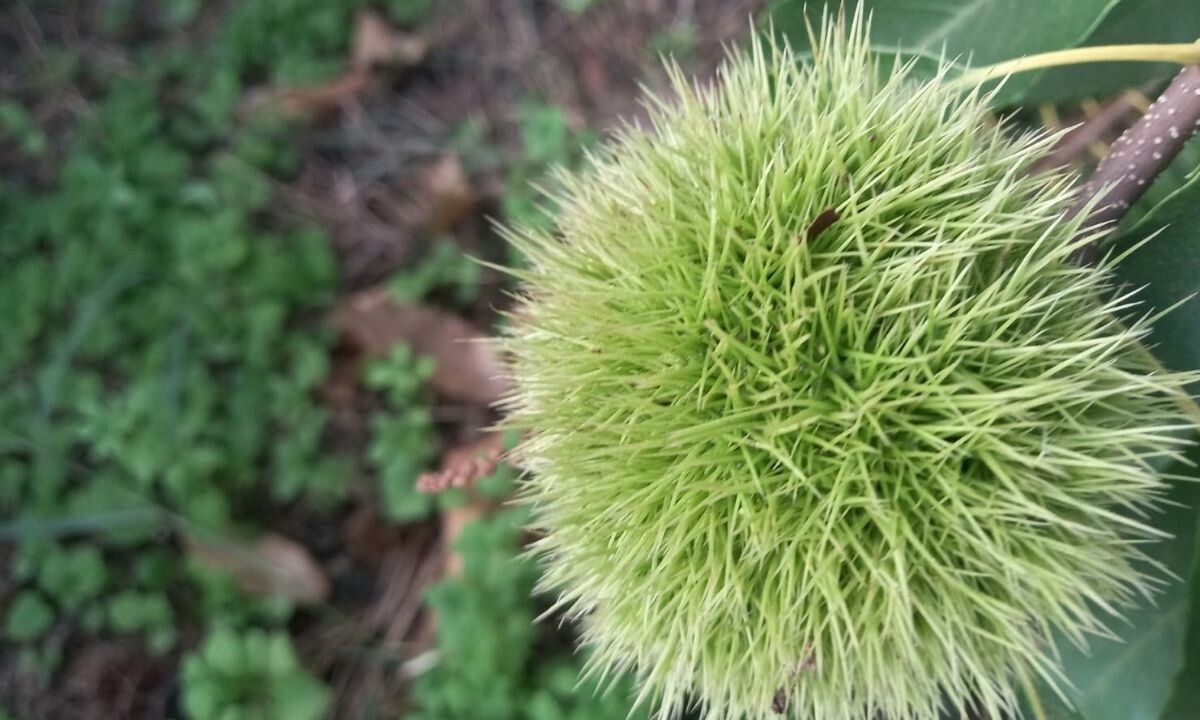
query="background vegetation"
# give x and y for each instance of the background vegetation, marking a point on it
(233, 285)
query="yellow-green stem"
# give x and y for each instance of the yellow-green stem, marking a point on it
(1031, 695)
(1181, 53)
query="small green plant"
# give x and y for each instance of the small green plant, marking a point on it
(578, 6)
(402, 440)
(297, 41)
(16, 123)
(159, 356)
(493, 661)
(547, 142)
(677, 41)
(444, 266)
(250, 675)
(408, 12)
(146, 613)
(72, 576)
(821, 418)
(29, 617)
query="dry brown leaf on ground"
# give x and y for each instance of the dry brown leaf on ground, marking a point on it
(272, 565)
(379, 45)
(318, 102)
(468, 365)
(451, 197)
(323, 101)
(376, 46)
(463, 465)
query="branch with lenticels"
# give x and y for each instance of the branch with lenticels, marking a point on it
(1139, 155)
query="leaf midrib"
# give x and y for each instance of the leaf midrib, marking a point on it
(954, 20)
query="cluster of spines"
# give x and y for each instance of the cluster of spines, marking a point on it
(857, 466)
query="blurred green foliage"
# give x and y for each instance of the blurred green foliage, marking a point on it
(677, 41)
(250, 675)
(160, 354)
(402, 438)
(494, 662)
(16, 122)
(578, 6)
(408, 12)
(403, 441)
(547, 142)
(444, 266)
(160, 347)
(29, 616)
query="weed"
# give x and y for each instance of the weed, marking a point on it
(158, 331)
(250, 675)
(402, 439)
(444, 266)
(492, 662)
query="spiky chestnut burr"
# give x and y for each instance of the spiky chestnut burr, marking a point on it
(820, 418)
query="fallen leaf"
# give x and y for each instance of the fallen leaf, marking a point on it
(451, 196)
(468, 365)
(376, 46)
(273, 565)
(319, 102)
(379, 45)
(323, 101)
(463, 465)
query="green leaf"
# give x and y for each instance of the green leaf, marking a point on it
(73, 576)
(28, 617)
(298, 696)
(201, 696)
(279, 657)
(1048, 707)
(130, 612)
(1131, 21)
(408, 12)
(1132, 678)
(1168, 267)
(981, 31)
(545, 133)
(1186, 698)
(15, 121)
(224, 653)
(1135, 678)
